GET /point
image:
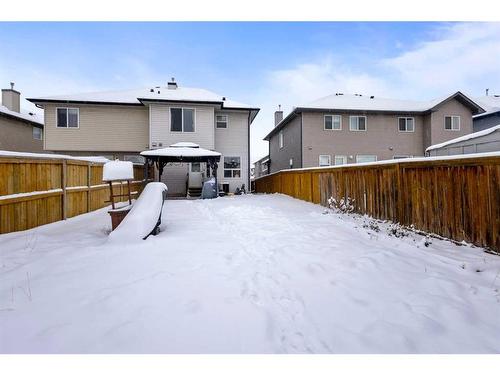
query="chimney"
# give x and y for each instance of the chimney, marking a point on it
(278, 116)
(172, 85)
(487, 90)
(11, 98)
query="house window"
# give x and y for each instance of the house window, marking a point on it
(195, 167)
(263, 167)
(333, 122)
(340, 159)
(452, 122)
(406, 124)
(232, 167)
(182, 120)
(221, 121)
(324, 160)
(357, 123)
(37, 133)
(282, 143)
(68, 117)
(365, 158)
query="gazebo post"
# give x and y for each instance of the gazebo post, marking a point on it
(146, 171)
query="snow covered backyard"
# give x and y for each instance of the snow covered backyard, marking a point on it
(246, 274)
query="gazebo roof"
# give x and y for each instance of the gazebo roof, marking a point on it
(179, 153)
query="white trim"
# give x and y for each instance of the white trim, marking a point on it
(281, 139)
(452, 116)
(406, 124)
(329, 160)
(182, 120)
(332, 116)
(67, 118)
(344, 159)
(227, 121)
(366, 155)
(358, 130)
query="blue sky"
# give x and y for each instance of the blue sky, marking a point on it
(263, 64)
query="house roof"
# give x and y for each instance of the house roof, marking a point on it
(490, 103)
(263, 159)
(465, 138)
(361, 103)
(32, 118)
(181, 152)
(147, 95)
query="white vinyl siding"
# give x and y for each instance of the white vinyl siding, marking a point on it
(365, 158)
(333, 122)
(281, 139)
(357, 123)
(340, 159)
(67, 117)
(325, 160)
(406, 124)
(452, 123)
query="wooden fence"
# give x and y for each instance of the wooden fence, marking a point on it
(37, 191)
(454, 198)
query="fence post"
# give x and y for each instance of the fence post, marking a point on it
(63, 185)
(89, 174)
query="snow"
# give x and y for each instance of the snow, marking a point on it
(185, 144)
(93, 159)
(490, 103)
(245, 274)
(29, 116)
(143, 216)
(465, 137)
(181, 152)
(31, 193)
(136, 96)
(118, 170)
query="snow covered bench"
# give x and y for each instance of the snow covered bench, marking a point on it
(144, 218)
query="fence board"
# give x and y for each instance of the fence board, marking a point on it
(58, 188)
(454, 198)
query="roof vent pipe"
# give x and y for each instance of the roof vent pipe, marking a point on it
(487, 90)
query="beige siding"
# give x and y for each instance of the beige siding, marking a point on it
(102, 128)
(382, 138)
(233, 141)
(18, 136)
(450, 108)
(204, 126)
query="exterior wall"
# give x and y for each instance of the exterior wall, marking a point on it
(280, 158)
(160, 126)
(258, 169)
(382, 134)
(18, 136)
(486, 143)
(103, 128)
(427, 130)
(486, 122)
(233, 141)
(450, 108)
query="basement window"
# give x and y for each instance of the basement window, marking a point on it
(325, 160)
(232, 167)
(68, 117)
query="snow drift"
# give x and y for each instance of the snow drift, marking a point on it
(118, 170)
(144, 215)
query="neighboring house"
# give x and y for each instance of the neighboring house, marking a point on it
(19, 131)
(121, 124)
(485, 120)
(487, 140)
(340, 129)
(261, 167)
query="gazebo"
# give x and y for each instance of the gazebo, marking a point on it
(182, 152)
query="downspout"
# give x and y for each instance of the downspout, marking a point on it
(248, 159)
(301, 143)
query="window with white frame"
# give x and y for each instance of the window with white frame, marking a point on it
(221, 121)
(68, 117)
(365, 158)
(340, 159)
(357, 123)
(452, 122)
(182, 120)
(333, 122)
(406, 124)
(325, 160)
(37, 133)
(232, 167)
(281, 139)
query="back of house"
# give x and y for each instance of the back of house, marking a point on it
(121, 124)
(343, 129)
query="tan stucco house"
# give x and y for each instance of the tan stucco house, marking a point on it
(121, 124)
(340, 129)
(19, 130)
